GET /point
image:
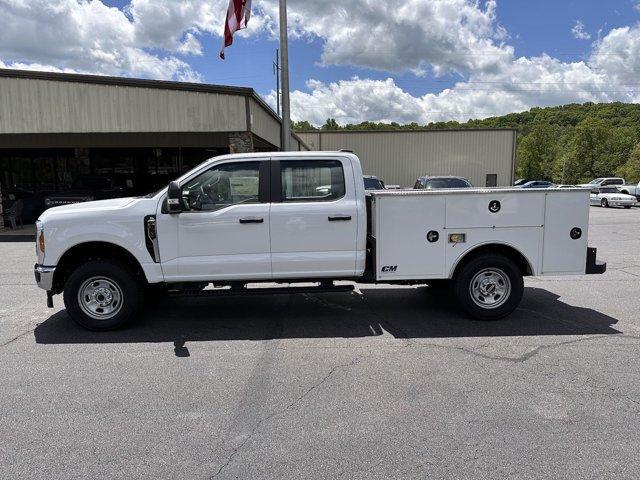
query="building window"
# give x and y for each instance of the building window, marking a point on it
(492, 180)
(312, 181)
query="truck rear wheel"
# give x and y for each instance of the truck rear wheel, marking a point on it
(488, 287)
(102, 295)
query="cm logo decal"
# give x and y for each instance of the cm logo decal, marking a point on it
(389, 268)
(494, 206)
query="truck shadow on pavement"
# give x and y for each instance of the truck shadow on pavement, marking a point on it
(402, 312)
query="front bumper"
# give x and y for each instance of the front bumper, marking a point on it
(622, 203)
(44, 276)
(594, 267)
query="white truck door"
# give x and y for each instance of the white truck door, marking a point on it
(314, 218)
(223, 232)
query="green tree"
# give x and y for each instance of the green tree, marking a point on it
(537, 153)
(631, 169)
(331, 124)
(587, 152)
(620, 145)
(303, 126)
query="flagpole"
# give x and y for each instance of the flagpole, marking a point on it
(284, 65)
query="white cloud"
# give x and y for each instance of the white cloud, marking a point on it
(610, 74)
(156, 38)
(190, 45)
(579, 32)
(172, 24)
(618, 54)
(88, 36)
(353, 100)
(412, 35)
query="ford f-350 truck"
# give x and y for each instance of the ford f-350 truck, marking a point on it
(293, 217)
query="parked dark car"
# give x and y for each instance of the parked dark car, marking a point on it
(93, 187)
(432, 183)
(371, 182)
(538, 184)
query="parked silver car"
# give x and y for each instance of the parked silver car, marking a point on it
(611, 197)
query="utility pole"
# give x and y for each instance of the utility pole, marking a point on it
(284, 66)
(276, 71)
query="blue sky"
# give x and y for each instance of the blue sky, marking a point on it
(534, 27)
(398, 60)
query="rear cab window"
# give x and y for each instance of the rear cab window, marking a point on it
(312, 180)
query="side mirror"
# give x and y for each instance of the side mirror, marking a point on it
(174, 198)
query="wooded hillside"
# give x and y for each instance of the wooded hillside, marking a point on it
(567, 144)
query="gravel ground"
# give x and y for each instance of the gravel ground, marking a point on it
(386, 382)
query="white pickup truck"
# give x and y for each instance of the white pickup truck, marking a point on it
(286, 218)
(630, 189)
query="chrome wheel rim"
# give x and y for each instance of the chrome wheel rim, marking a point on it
(100, 298)
(604, 202)
(490, 288)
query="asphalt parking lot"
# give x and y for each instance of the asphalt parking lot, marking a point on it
(387, 382)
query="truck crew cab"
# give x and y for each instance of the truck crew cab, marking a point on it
(305, 217)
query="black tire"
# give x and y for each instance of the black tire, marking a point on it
(113, 280)
(477, 270)
(604, 203)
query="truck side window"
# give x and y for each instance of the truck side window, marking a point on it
(312, 181)
(222, 186)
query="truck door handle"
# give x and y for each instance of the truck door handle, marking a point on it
(340, 218)
(252, 220)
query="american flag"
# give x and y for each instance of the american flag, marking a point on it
(238, 15)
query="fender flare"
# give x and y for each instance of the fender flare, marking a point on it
(484, 245)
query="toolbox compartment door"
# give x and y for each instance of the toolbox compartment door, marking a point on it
(565, 211)
(495, 209)
(402, 230)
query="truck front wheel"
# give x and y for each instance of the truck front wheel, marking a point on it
(102, 295)
(488, 287)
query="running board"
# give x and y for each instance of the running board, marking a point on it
(229, 292)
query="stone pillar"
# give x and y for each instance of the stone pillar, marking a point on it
(240, 142)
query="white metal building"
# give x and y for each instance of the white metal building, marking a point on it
(485, 157)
